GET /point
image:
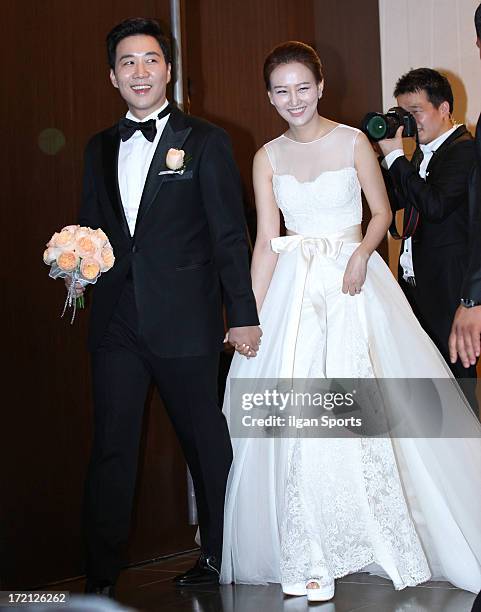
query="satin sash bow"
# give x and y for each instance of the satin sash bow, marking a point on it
(312, 252)
(326, 246)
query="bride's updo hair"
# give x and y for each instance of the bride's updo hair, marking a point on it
(292, 51)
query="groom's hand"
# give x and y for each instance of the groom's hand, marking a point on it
(245, 340)
(79, 289)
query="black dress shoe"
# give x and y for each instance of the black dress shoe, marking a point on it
(205, 571)
(106, 589)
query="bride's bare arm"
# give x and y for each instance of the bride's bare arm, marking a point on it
(268, 226)
(372, 184)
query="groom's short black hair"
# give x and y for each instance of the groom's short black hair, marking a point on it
(133, 27)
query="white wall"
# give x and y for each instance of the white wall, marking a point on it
(436, 34)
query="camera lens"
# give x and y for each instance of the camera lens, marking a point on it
(376, 127)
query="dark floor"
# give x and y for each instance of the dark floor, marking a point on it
(150, 588)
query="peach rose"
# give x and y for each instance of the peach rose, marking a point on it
(50, 255)
(89, 268)
(85, 246)
(100, 234)
(70, 228)
(107, 257)
(175, 159)
(61, 239)
(81, 232)
(67, 261)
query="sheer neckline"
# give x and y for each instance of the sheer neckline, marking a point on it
(280, 175)
(312, 141)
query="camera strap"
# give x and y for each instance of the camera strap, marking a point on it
(411, 214)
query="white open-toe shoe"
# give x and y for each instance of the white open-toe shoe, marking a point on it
(297, 588)
(324, 591)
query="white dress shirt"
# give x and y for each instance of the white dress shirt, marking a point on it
(406, 259)
(135, 157)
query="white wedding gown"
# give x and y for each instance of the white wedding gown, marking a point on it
(406, 508)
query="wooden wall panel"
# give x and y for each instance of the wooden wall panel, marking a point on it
(59, 79)
(347, 40)
(226, 46)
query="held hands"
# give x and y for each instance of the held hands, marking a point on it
(245, 340)
(355, 273)
(464, 340)
(388, 145)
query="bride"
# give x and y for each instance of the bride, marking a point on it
(304, 511)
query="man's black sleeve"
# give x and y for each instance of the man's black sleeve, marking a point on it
(437, 199)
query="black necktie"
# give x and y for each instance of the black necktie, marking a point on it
(411, 214)
(417, 158)
(127, 127)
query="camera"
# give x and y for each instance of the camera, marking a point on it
(377, 126)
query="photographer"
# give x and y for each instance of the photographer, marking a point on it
(433, 191)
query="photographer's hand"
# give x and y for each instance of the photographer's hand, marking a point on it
(377, 149)
(388, 145)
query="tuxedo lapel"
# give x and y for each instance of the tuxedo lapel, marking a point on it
(110, 154)
(173, 137)
(478, 142)
(460, 132)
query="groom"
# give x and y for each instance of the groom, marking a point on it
(180, 247)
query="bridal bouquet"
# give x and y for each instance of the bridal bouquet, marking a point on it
(81, 254)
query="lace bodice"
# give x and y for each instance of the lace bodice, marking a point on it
(315, 183)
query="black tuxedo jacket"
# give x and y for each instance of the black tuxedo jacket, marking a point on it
(472, 283)
(440, 245)
(189, 250)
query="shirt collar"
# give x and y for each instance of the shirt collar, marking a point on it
(437, 142)
(152, 115)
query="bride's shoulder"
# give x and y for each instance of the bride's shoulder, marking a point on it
(348, 129)
(269, 152)
(275, 142)
(263, 159)
(349, 136)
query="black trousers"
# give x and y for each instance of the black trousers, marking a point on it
(439, 331)
(123, 368)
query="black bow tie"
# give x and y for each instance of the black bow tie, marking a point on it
(127, 127)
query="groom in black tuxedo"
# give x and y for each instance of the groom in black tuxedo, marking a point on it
(179, 241)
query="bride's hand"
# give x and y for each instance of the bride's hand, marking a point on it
(355, 273)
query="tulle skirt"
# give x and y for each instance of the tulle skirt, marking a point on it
(403, 507)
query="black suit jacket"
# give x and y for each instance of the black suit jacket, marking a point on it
(440, 245)
(471, 288)
(189, 249)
